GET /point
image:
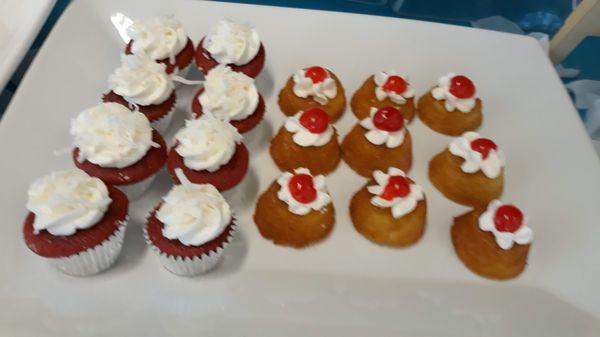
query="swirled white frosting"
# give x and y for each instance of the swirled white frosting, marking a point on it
(159, 37)
(491, 166)
(194, 214)
(322, 199)
(302, 136)
(376, 136)
(451, 102)
(381, 78)
(142, 81)
(207, 143)
(231, 42)
(66, 201)
(400, 205)
(110, 135)
(321, 92)
(228, 95)
(505, 240)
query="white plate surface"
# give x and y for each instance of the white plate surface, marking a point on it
(346, 285)
(20, 21)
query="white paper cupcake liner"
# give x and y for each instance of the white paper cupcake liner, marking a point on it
(184, 72)
(93, 260)
(135, 190)
(162, 124)
(186, 266)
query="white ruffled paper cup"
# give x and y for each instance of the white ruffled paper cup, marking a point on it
(191, 266)
(93, 260)
(183, 72)
(162, 124)
(136, 190)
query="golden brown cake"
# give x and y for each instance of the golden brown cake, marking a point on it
(451, 108)
(313, 87)
(385, 88)
(470, 171)
(390, 209)
(493, 242)
(378, 142)
(308, 140)
(295, 210)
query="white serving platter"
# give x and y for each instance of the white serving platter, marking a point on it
(344, 286)
(20, 21)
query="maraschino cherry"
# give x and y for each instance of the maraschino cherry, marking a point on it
(302, 188)
(315, 120)
(316, 74)
(395, 83)
(462, 87)
(508, 218)
(396, 187)
(388, 119)
(483, 146)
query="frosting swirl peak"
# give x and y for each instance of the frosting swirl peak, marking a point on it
(194, 214)
(142, 81)
(66, 201)
(230, 42)
(207, 143)
(228, 95)
(110, 135)
(158, 37)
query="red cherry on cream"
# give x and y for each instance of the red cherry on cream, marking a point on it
(316, 74)
(483, 146)
(395, 83)
(388, 119)
(302, 188)
(462, 87)
(396, 187)
(508, 218)
(315, 120)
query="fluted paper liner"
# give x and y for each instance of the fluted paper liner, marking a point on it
(162, 124)
(135, 190)
(191, 266)
(95, 259)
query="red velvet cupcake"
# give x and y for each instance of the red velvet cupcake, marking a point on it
(144, 85)
(164, 40)
(230, 96)
(118, 146)
(234, 44)
(190, 229)
(209, 151)
(75, 221)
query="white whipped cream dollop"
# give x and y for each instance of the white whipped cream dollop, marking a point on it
(321, 92)
(505, 240)
(110, 135)
(381, 78)
(66, 201)
(400, 205)
(302, 136)
(159, 37)
(321, 200)
(228, 95)
(142, 81)
(376, 136)
(207, 143)
(451, 102)
(194, 214)
(231, 42)
(491, 166)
